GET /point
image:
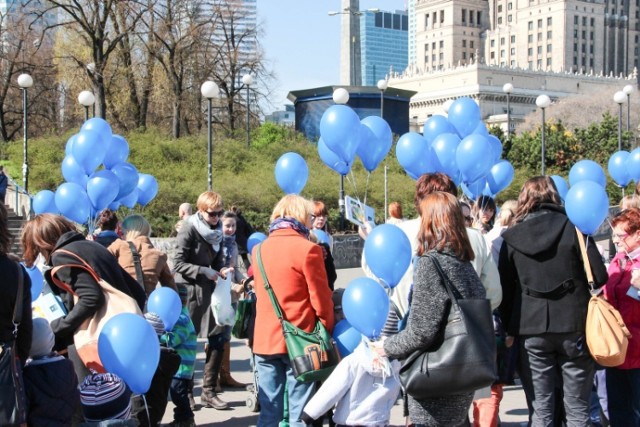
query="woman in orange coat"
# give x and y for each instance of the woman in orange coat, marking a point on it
(294, 267)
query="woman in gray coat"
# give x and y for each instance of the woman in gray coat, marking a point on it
(442, 236)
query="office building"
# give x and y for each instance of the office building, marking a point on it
(384, 44)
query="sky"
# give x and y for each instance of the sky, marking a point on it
(301, 43)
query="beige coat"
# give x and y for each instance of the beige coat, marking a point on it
(153, 262)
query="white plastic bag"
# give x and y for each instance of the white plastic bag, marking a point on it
(223, 312)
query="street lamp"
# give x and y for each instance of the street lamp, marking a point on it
(543, 101)
(25, 81)
(620, 97)
(247, 80)
(209, 90)
(341, 96)
(382, 86)
(86, 99)
(508, 88)
(628, 90)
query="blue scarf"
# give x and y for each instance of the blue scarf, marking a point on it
(289, 222)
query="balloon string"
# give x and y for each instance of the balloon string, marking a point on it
(352, 181)
(146, 408)
(366, 187)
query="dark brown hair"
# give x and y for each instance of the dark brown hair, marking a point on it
(535, 191)
(5, 236)
(108, 220)
(442, 226)
(430, 182)
(320, 209)
(395, 210)
(630, 218)
(41, 234)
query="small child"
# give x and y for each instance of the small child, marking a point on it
(365, 387)
(50, 382)
(106, 401)
(184, 341)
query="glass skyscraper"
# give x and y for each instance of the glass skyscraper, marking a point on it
(384, 44)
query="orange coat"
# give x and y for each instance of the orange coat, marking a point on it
(295, 269)
(153, 262)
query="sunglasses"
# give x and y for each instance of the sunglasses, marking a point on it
(214, 213)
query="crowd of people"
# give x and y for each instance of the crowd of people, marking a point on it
(524, 257)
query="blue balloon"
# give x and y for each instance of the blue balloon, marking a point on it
(477, 188)
(496, 147)
(375, 141)
(322, 236)
(366, 305)
(474, 157)
(147, 188)
(115, 205)
(72, 171)
(117, 153)
(45, 202)
(99, 126)
(340, 129)
(633, 165)
(130, 199)
(291, 173)
(561, 185)
(500, 176)
(37, 280)
(68, 149)
(587, 170)
(72, 202)
(384, 240)
(617, 167)
(481, 129)
(414, 154)
(587, 205)
(347, 337)
(464, 115)
(331, 159)
(89, 150)
(254, 239)
(129, 347)
(127, 177)
(444, 148)
(165, 302)
(102, 189)
(436, 125)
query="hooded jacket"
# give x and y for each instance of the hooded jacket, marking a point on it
(544, 284)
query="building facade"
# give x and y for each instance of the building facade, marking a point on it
(384, 45)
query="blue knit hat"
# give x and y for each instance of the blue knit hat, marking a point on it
(105, 397)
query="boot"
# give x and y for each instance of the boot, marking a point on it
(186, 423)
(192, 401)
(226, 380)
(211, 369)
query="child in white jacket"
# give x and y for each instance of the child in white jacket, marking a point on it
(365, 387)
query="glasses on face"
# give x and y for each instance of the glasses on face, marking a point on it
(621, 236)
(214, 213)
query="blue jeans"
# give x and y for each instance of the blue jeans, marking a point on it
(273, 372)
(179, 396)
(623, 396)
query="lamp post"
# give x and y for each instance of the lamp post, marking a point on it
(543, 101)
(620, 97)
(25, 81)
(341, 96)
(628, 90)
(382, 86)
(507, 89)
(86, 99)
(209, 90)
(247, 80)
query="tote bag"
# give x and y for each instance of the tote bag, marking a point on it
(86, 336)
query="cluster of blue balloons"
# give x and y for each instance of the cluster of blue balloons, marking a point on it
(460, 146)
(624, 167)
(343, 136)
(87, 191)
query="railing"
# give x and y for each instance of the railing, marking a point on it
(19, 200)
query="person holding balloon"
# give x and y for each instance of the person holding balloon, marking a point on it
(198, 263)
(442, 238)
(295, 269)
(545, 300)
(152, 262)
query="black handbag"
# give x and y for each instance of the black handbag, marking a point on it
(463, 359)
(313, 355)
(12, 393)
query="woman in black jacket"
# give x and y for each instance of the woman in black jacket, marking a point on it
(545, 298)
(45, 234)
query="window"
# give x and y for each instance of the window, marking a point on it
(584, 48)
(530, 25)
(501, 41)
(471, 56)
(471, 44)
(499, 8)
(530, 38)
(530, 65)
(426, 21)
(530, 51)
(591, 62)
(575, 34)
(539, 23)
(433, 46)
(464, 16)
(549, 34)
(575, 60)
(509, 18)
(510, 6)
(593, 22)
(499, 20)
(591, 49)
(584, 21)
(493, 55)
(539, 63)
(464, 55)
(479, 18)
(464, 43)
(584, 35)
(591, 35)
(441, 56)
(549, 48)
(493, 42)
(513, 51)
(575, 20)
(575, 47)
(539, 37)
(513, 63)
(539, 50)
(502, 53)
(471, 17)
(548, 21)
(549, 62)
(513, 39)
(433, 58)
(426, 47)
(441, 44)
(441, 16)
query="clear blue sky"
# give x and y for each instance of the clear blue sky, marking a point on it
(302, 42)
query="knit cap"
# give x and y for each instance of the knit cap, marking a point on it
(156, 322)
(42, 338)
(105, 397)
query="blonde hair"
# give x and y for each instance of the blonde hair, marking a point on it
(134, 226)
(295, 207)
(209, 200)
(507, 214)
(630, 201)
